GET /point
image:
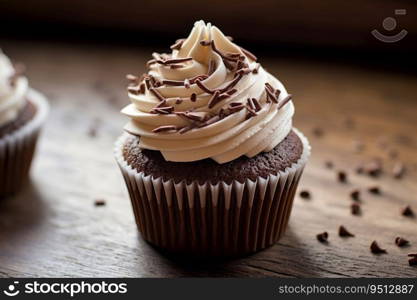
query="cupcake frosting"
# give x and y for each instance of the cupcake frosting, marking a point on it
(13, 89)
(209, 98)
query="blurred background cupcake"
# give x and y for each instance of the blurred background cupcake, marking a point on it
(211, 159)
(22, 113)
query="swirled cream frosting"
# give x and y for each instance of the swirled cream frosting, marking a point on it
(13, 89)
(209, 98)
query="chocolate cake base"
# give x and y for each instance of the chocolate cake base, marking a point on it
(152, 163)
(17, 145)
(25, 115)
(184, 216)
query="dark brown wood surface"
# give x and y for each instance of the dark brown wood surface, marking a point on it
(53, 227)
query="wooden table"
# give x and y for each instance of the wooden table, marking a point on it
(53, 227)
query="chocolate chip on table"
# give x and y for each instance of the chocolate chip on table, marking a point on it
(398, 170)
(305, 194)
(343, 232)
(342, 176)
(374, 190)
(329, 164)
(373, 168)
(401, 242)
(318, 132)
(360, 169)
(407, 211)
(355, 209)
(322, 237)
(375, 249)
(99, 202)
(355, 195)
(413, 260)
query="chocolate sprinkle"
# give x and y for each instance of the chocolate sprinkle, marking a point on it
(165, 128)
(135, 90)
(236, 108)
(157, 94)
(270, 95)
(355, 195)
(284, 101)
(412, 261)
(249, 54)
(322, 237)
(343, 232)
(173, 82)
(99, 202)
(305, 194)
(256, 69)
(355, 209)
(173, 61)
(374, 190)
(212, 120)
(375, 249)
(193, 97)
(342, 176)
(166, 110)
(177, 45)
(407, 211)
(214, 99)
(401, 242)
(185, 129)
(203, 87)
(232, 83)
(211, 67)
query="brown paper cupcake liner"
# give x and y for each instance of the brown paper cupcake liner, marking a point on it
(212, 219)
(17, 148)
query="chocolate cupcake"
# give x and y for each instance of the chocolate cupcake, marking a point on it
(22, 113)
(210, 157)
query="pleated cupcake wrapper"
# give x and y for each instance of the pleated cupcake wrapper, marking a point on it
(212, 219)
(17, 148)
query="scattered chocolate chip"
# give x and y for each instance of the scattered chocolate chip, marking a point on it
(322, 237)
(407, 211)
(343, 232)
(359, 170)
(412, 261)
(318, 132)
(342, 176)
(401, 242)
(329, 164)
(355, 195)
(99, 202)
(398, 170)
(355, 209)
(375, 249)
(373, 168)
(374, 190)
(305, 194)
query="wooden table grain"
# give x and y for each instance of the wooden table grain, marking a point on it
(52, 228)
